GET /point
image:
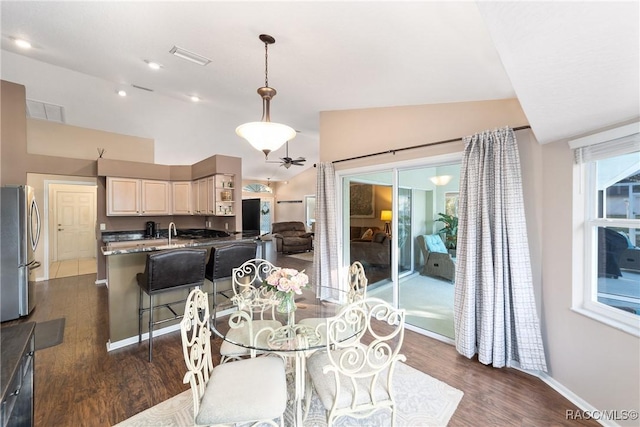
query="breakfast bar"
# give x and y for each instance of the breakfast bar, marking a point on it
(126, 254)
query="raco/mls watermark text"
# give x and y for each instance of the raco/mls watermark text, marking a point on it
(606, 415)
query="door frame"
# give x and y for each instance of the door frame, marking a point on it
(47, 204)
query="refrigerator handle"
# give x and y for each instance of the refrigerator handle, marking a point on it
(33, 265)
(35, 237)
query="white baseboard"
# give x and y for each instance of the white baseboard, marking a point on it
(145, 336)
(582, 404)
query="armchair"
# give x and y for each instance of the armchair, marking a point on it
(292, 236)
(437, 261)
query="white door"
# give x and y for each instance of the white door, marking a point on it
(75, 223)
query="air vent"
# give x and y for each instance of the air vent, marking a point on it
(44, 111)
(143, 88)
(189, 56)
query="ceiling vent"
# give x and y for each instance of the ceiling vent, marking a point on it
(189, 56)
(43, 111)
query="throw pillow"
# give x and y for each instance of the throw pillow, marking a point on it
(435, 244)
(368, 235)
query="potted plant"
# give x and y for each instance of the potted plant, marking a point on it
(450, 231)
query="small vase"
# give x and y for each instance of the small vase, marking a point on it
(287, 303)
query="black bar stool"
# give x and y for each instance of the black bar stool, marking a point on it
(223, 259)
(167, 271)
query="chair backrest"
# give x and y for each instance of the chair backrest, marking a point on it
(279, 227)
(357, 283)
(196, 344)
(175, 268)
(223, 259)
(367, 363)
(249, 294)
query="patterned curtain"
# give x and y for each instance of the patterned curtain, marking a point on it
(494, 307)
(325, 241)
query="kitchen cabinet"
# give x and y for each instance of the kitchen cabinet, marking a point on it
(16, 377)
(133, 197)
(201, 197)
(181, 200)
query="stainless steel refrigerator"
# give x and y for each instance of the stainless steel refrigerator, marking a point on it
(20, 225)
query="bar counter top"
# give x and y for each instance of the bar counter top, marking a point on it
(120, 247)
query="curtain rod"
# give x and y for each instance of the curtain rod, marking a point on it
(413, 147)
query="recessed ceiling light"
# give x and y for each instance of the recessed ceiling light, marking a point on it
(22, 43)
(195, 98)
(122, 93)
(153, 65)
(189, 56)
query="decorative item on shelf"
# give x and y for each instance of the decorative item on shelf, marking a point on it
(230, 184)
(226, 195)
(266, 135)
(286, 283)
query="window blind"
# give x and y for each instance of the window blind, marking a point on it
(614, 142)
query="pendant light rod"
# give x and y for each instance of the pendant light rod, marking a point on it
(265, 135)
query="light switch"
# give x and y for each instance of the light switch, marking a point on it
(103, 227)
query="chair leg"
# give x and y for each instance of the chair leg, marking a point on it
(140, 316)
(150, 326)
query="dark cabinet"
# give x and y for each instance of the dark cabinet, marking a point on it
(16, 377)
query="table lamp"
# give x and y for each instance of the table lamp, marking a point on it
(386, 217)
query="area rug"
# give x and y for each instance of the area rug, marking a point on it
(49, 333)
(305, 256)
(422, 401)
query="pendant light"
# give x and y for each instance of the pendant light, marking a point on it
(266, 135)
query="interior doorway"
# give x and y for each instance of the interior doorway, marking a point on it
(71, 220)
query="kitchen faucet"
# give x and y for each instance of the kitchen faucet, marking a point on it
(175, 233)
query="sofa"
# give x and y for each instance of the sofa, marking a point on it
(437, 261)
(291, 237)
(374, 251)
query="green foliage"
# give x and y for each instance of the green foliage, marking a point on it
(450, 229)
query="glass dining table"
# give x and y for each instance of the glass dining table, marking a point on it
(303, 331)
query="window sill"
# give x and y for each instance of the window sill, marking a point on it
(622, 326)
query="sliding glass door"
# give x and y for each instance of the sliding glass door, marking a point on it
(395, 263)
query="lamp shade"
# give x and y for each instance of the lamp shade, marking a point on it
(266, 136)
(385, 215)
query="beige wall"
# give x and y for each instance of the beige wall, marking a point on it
(303, 184)
(60, 140)
(595, 362)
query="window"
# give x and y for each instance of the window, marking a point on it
(609, 188)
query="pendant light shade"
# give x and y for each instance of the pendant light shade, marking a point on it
(266, 135)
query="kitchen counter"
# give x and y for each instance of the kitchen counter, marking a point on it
(126, 258)
(119, 247)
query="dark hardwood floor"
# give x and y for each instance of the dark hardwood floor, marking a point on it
(77, 383)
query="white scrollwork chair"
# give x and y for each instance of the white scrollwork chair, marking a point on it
(255, 316)
(244, 391)
(357, 280)
(354, 377)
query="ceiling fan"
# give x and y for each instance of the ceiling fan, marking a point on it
(288, 161)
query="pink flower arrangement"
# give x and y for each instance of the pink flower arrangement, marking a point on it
(287, 280)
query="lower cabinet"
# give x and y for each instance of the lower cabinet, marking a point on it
(18, 352)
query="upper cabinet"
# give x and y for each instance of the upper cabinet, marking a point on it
(181, 201)
(131, 197)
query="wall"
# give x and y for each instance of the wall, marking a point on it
(301, 185)
(61, 140)
(595, 362)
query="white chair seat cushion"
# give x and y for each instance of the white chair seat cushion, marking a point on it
(325, 384)
(241, 336)
(250, 389)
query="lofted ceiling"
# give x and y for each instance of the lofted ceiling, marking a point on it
(572, 65)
